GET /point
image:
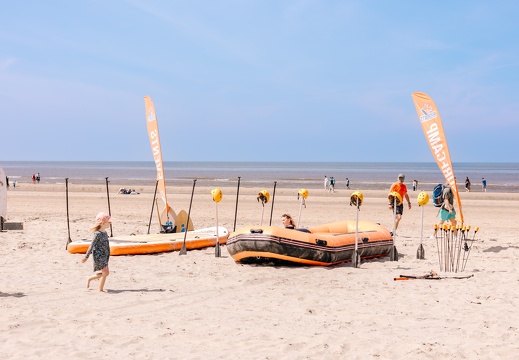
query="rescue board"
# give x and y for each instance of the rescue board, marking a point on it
(156, 243)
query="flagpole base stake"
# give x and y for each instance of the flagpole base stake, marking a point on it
(393, 254)
(217, 251)
(183, 250)
(355, 259)
(420, 253)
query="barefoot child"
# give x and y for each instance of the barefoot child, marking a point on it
(100, 247)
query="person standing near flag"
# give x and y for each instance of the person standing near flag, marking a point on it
(400, 188)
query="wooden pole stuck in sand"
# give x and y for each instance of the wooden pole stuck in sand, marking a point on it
(423, 199)
(396, 200)
(263, 197)
(272, 205)
(153, 205)
(183, 250)
(236, 210)
(302, 195)
(217, 197)
(68, 218)
(356, 200)
(109, 210)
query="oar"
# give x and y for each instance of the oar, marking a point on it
(68, 220)
(109, 211)
(356, 199)
(476, 229)
(153, 205)
(302, 194)
(236, 211)
(437, 244)
(272, 206)
(217, 197)
(461, 237)
(183, 250)
(466, 248)
(445, 248)
(452, 247)
(423, 199)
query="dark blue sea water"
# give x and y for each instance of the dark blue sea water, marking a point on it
(501, 177)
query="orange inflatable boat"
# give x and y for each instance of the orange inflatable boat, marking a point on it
(156, 243)
(321, 245)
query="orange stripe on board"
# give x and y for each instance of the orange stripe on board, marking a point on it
(247, 254)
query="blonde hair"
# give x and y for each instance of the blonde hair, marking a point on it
(101, 218)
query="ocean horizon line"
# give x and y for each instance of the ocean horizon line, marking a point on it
(503, 177)
(255, 161)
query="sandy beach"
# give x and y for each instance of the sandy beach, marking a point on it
(201, 307)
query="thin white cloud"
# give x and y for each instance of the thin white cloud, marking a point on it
(200, 31)
(6, 63)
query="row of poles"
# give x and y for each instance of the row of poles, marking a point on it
(217, 197)
(450, 239)
(451, 242)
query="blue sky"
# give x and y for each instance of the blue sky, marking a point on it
(257, 80)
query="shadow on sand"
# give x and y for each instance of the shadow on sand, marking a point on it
(18, 295)
(134, 290)
(496, 249)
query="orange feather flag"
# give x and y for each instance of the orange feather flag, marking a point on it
(153, 132)
(433, 129)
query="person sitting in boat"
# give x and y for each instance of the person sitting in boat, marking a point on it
(288, 222)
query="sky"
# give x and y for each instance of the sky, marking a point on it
(269, 80)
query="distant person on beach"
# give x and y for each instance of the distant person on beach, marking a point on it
(33, 178)
(484, 184)
(38, 178)
(347, 183)
(100, 248)
(467, 184)
(400, 188)
(7, 182)
(415, 185)
(287, 221)
(325, 182)
(331, 187)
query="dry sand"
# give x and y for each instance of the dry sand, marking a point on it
(201, 307)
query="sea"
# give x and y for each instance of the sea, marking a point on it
(501, 177)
